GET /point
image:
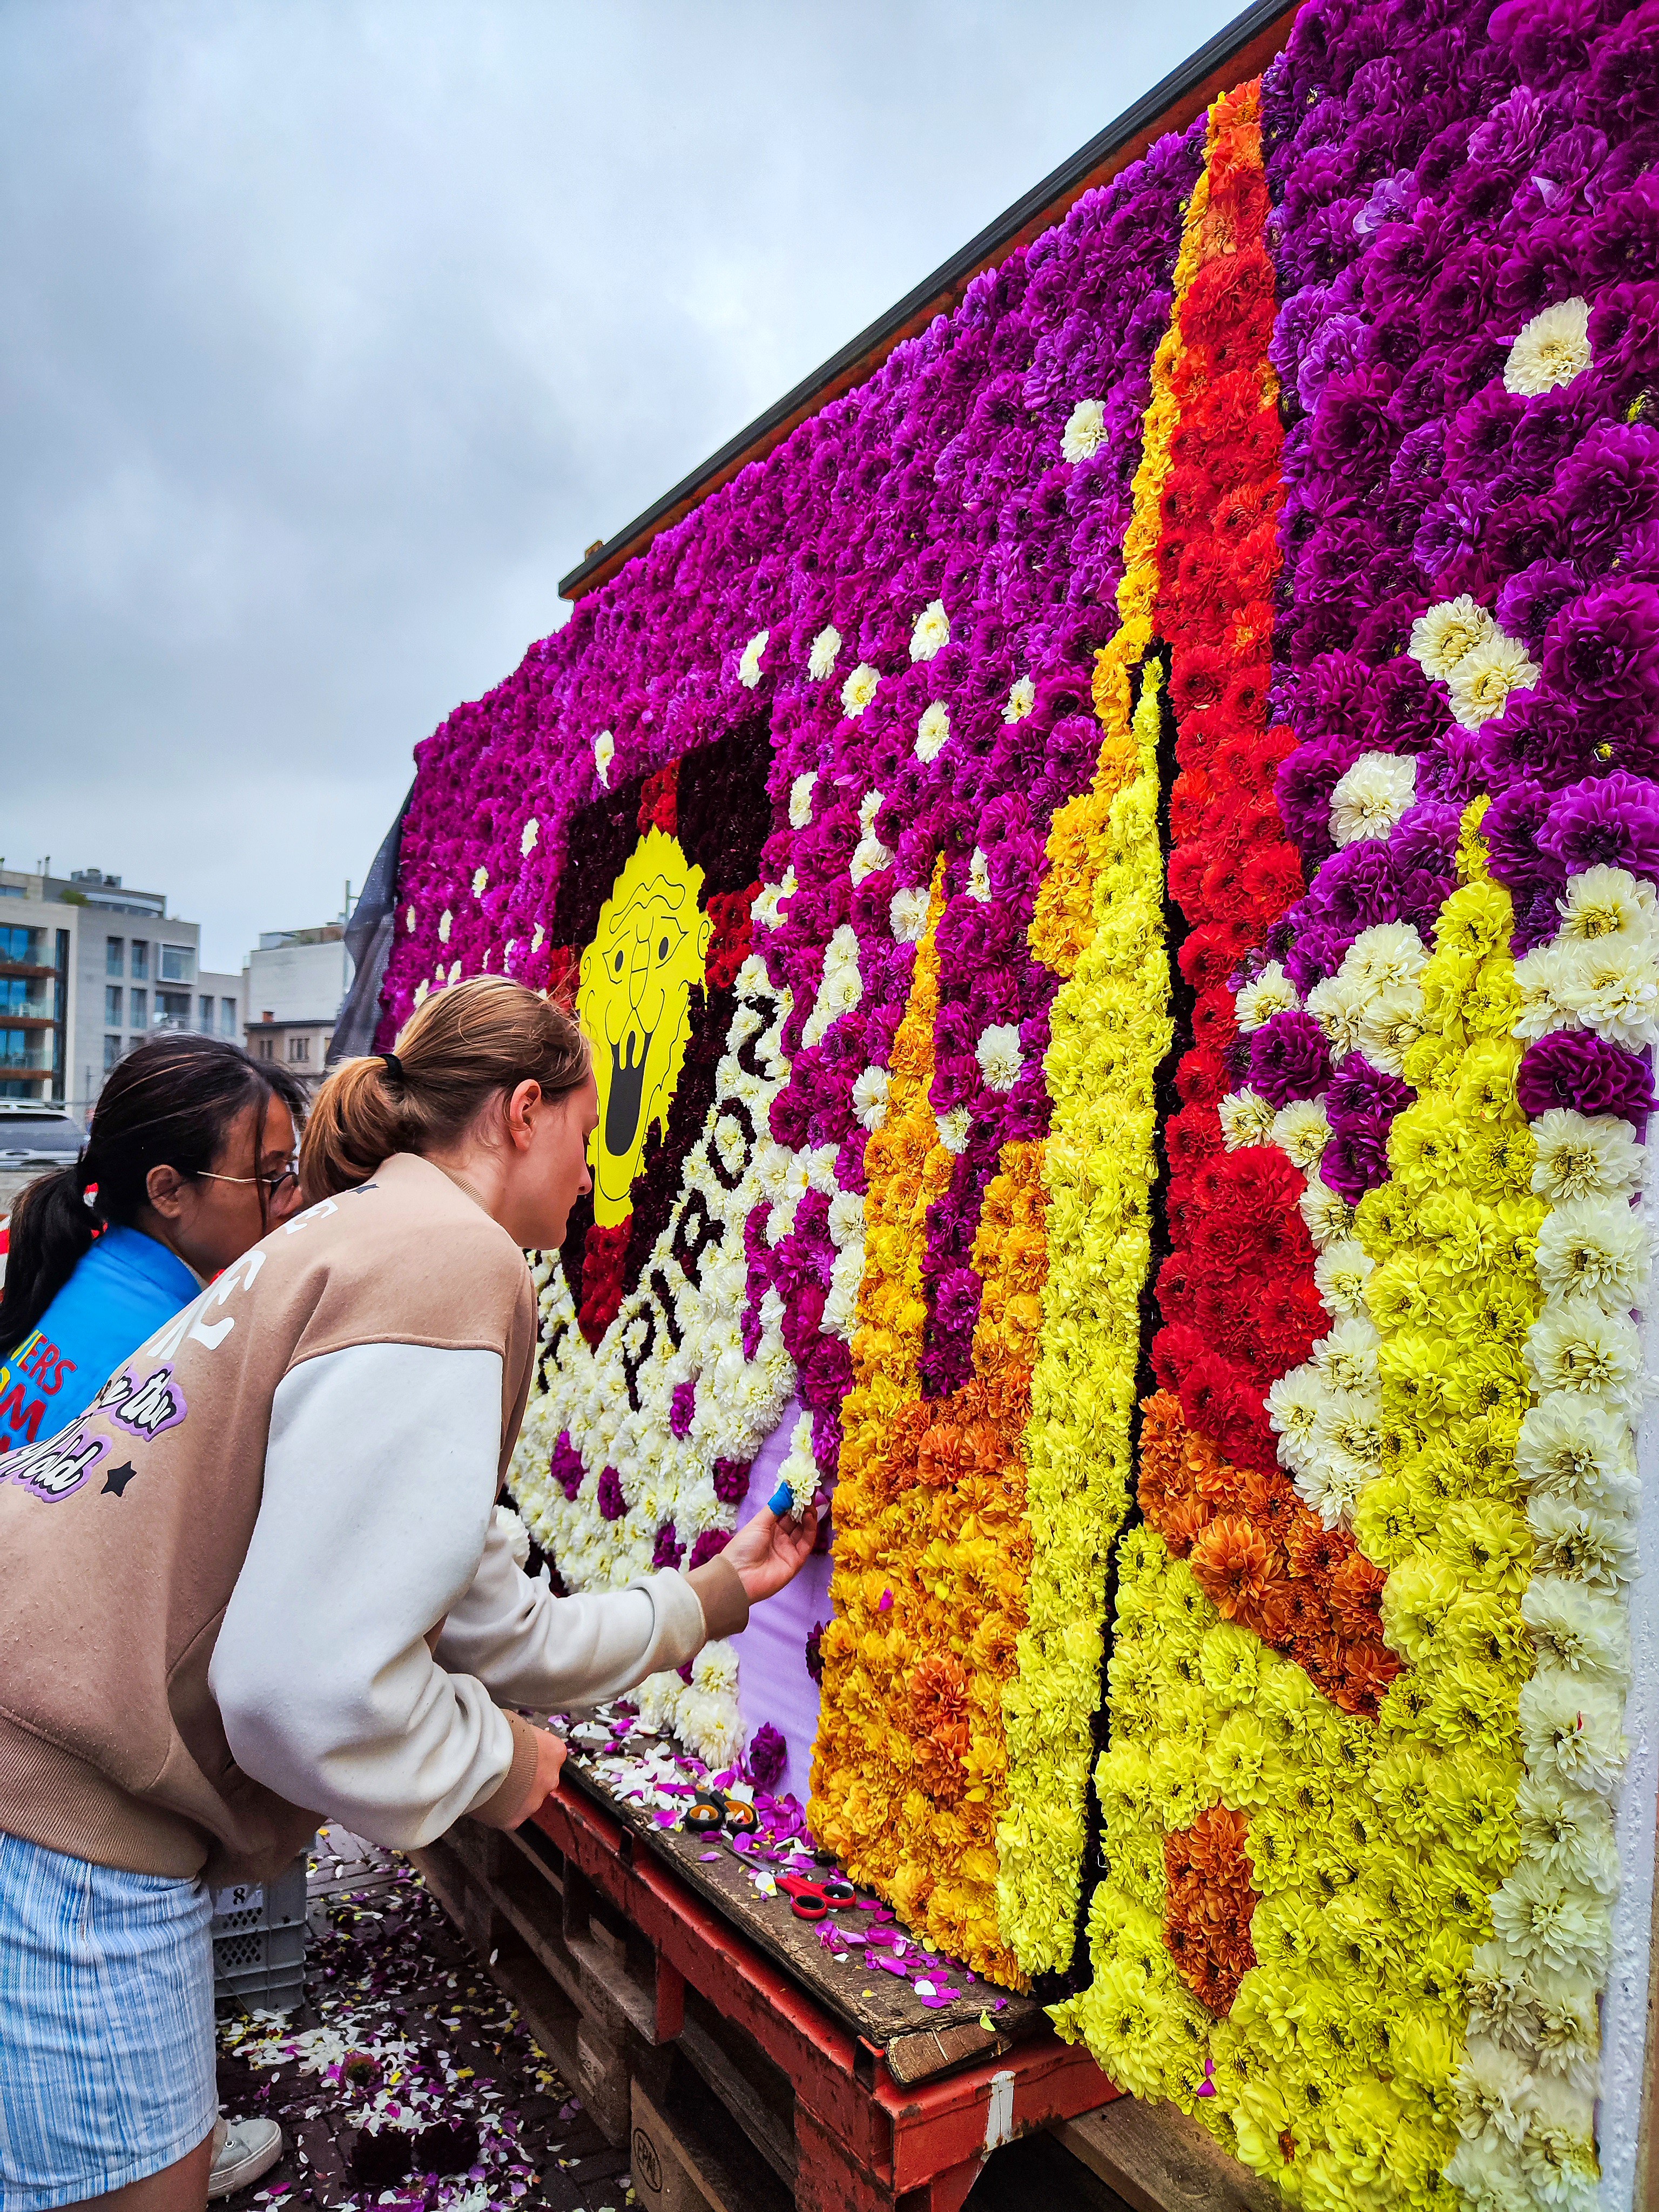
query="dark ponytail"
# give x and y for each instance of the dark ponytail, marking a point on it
(168, 1104)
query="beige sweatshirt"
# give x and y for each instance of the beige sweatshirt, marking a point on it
(258, 1580)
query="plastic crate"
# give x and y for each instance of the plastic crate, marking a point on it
(259, 1943)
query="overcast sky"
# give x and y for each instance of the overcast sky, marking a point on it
(332, 334)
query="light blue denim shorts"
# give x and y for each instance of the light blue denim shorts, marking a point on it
(106, 2044)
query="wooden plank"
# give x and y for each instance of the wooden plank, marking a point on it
(918, 2040)
(1159, 2160)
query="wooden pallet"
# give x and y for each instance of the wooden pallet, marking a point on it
(625, 1972)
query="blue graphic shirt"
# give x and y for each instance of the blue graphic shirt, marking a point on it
(120, 1293)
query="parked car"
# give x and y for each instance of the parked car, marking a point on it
(36, 1135)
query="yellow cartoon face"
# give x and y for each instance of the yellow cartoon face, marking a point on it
(635, 1004)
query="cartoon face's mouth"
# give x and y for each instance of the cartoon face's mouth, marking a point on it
(622, 1107)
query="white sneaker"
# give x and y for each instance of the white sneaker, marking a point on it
(242, 2151)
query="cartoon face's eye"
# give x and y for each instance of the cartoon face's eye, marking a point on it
(617, 964)
(668, 942)
(662, 949)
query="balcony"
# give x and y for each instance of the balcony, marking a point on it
(27, 1010)
(24, 1052)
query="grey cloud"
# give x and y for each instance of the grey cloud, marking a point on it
(333, 333)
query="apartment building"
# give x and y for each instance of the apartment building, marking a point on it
(89, 968)
(294, 986)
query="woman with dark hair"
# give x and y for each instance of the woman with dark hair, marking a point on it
(264, 1573)
(190, 1163)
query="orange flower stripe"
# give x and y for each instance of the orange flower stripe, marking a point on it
(909, 1776)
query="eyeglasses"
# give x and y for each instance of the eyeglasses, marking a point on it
(274, 1185)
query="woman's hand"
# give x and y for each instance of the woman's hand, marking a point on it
(549, 1757)
(768, 1552)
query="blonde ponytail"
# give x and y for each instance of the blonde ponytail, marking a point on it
(465, 1045)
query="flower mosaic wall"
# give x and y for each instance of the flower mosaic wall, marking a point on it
(1112, 880)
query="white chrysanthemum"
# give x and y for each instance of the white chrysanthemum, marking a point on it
(1085, 427)
(1385, 956)
(1598, 1247)
(821, 661)
(999, 1055)
(841, 1305)
(1338, 1007)
(1492, 2087)
(1482, 681)
(859, 689)
(978, 885)
(604, 752)
(1021, 700)
(1611, 985)
(1390, 1025)
(1594, 1547)
(1348, 1426)
(845, 1223)
(1442, 636)
(1246, 1119)
(1272, 993)
(869, 857)
(1329, 1484)
(1346, 1359)
(1572, 1445)
(1603, 902)
(931, 631)
(1370, 798)
(954, 1128)
(748, 668)
(1545, 984)
(1301, 1133)
(1293, 1404)
(1340, 1274)
(445, 923)
(408, 920)
(1573, 1729)
(1548, 1922)
(769, 900)
(800, 799)
(1327, 1214)
(1551, 349)
(1575, 1345)
(1568, 1830)
(1585, 1156)
(1581, 1630)
(1486, 2173)
(538, 937)
(454, 971)
(422, 990)
(480, 882)
(870, 1098)
(932, 732)
(906, 916)
(842, 986)
(527, 836)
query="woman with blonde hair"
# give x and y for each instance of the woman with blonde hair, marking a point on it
(260, 1581)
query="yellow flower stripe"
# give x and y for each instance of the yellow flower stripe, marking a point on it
(1098, 923)
(1374, 1849)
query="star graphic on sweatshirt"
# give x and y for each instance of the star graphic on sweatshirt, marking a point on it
(117, 1480)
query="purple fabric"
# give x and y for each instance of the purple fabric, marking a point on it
(773, 1683)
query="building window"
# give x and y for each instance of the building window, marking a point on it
(113, 1003)
(178, 964)
(140, 958)
(204, 1016)
(140, 999)
(298, 1047)
(134, 1042)
(173, 1007)
(228, 1018)
(265, 1047)
(112, 1052)
(115, 951)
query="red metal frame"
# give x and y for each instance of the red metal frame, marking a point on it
(863, 2145)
